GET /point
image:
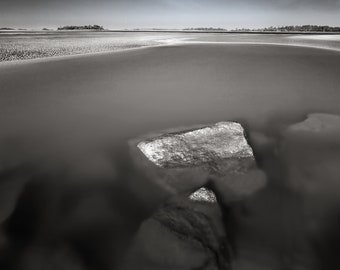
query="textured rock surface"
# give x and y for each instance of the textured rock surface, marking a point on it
(183, 160)
(203, 146)
(203, 195)
(182, 234)
(188, 231)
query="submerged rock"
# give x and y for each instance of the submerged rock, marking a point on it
(183, 234)
(185, 159)
(311, 152)
(319, 124)
(188, 231)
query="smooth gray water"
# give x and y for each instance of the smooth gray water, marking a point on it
(68, 119)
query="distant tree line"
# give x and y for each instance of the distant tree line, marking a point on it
(205, 29)
(294, 28)
(84, 27)
(303, 28)
(291, 28)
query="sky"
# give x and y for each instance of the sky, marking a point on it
(129, 14)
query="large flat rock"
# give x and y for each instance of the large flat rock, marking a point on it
(198, 147)
(185, 159)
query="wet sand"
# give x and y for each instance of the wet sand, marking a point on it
(23, 45)
(74, 114)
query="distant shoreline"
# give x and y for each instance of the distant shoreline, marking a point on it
(175, 31)
(227, 32)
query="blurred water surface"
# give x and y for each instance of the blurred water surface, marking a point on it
(65, 123)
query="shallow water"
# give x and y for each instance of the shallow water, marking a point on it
(65, 124)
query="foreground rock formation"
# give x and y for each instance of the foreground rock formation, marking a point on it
(183, 160)
(188, 231)
(198, 147)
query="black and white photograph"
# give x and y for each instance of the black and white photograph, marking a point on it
(169, 134)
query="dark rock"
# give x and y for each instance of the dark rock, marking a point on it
(183, 234)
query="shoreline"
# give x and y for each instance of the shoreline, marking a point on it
(172, 43)
(174, 31)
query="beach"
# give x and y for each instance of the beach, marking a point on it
(23, 45)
